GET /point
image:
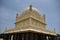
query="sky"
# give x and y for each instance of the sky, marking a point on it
(9, 8)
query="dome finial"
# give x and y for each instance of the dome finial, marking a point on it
(30, 7)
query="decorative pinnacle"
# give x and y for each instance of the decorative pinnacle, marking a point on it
(30, 7)
(44, 16)
(16, 15)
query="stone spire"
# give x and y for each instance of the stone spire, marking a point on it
(30, 7)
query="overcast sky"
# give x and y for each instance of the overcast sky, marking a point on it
(9, 8)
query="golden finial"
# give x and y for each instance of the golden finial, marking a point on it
(30, 7)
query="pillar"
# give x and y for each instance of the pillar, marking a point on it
(31, 36)
(41, 36)
(22, 36)
(44, 37)
(47, 38)
(18, 36)
(26, 36)
(8, 38)
(36, 37)
(12, 37)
